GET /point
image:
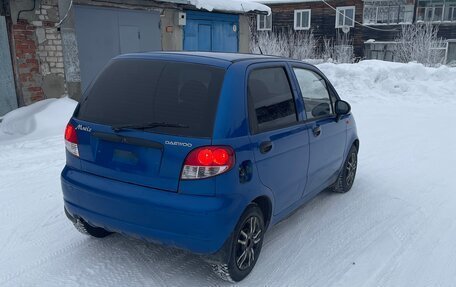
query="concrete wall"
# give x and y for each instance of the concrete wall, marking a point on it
(244, 34)
(172, 33)
(70, 51)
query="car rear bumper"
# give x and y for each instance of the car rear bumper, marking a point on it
(200, 224)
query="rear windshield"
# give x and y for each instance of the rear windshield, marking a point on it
(134, 92)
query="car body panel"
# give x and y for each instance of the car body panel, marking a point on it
(199, 215)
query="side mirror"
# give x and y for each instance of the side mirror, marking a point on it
(322, 109)
(342, 108)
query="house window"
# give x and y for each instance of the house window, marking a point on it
(429, 11)
(387, 12)
(302, 19)
(264, 22)
(345, 16)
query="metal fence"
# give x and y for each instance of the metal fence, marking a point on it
(386, 51)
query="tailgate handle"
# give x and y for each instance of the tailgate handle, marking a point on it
(128, 140)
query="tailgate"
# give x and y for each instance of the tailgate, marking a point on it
(137, 157)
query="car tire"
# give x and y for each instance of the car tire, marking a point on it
(246, 244)
(88, 229)
(347, 175)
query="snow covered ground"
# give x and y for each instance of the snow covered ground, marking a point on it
(396, 227)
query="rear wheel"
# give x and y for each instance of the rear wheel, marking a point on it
(88, 229)
(246, 246)
(347, 176)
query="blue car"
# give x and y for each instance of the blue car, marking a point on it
(204, 151)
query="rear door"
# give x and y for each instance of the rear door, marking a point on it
(327, 135)
(281, 143)
(136, 92)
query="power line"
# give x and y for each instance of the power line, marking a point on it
(359, 23)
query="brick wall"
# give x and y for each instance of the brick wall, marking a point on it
(38, 54)
(27, 63)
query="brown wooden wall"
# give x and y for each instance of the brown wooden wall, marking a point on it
(323, 20)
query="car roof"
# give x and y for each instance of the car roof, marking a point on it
(207, 56)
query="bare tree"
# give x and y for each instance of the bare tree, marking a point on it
(339, 50)
(301, 45)
(419, 42)
(292, 44)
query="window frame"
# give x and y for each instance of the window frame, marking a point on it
(339, 14)
(331, 91)
(300, 11)
(251, 114)
(265, 17)
(451, 7)
(402, 9)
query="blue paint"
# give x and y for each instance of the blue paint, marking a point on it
(211, 32)
(144, 198)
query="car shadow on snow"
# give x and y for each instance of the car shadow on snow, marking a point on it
(145, 263)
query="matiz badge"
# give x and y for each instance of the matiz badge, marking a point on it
(83, 128)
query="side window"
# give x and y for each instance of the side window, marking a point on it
(271, 100)
(317, 101)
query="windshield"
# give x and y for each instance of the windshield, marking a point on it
(138, 91)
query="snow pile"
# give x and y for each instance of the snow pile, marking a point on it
(235, 6)
(44, 118)
(395, 227)
(392, 81)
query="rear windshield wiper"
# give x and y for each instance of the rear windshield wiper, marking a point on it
(145, 126)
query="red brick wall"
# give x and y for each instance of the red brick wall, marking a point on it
(27, 64)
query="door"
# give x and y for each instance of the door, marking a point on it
(129, 39)
(214, 32)
(103, 33)
(281, 143)
(327, 134)
(204, 37)
(8, 100)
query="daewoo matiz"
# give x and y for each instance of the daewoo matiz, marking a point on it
(205, 151)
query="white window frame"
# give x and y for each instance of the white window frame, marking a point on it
(339, 13)
(258, 22)
(432, 8)
(399, 7)
(296, 12)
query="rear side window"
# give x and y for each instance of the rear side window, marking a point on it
(270, 99)
(133, 91)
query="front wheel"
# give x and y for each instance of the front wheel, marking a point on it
(347, 176)
(246, 244)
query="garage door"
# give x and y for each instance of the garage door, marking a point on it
(7, 90)
(103, 33)
(211, 32)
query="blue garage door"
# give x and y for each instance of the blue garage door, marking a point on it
(211, 32)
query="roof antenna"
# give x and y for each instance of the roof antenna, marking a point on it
(260, 48)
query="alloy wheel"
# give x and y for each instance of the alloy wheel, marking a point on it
(351, 169)
(248, 242)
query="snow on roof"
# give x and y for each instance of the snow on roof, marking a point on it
(235, 6)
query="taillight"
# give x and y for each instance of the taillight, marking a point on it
(71, 140)
(208, 161)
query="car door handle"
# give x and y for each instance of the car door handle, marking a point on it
(265, 147)
(316, 131)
